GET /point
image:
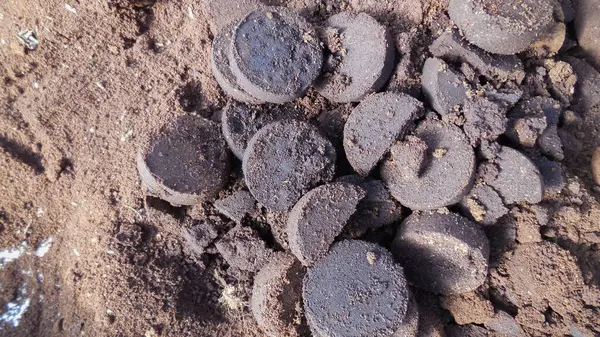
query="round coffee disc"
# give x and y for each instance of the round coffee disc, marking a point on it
(187, 163)
(356, 290)
(219, 63)
(361, 57)
(276, 54)
(442, 253)
(286, 159)
(443, 165)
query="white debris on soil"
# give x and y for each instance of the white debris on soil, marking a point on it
(70, 8)
(43, 247)
(76, 252)
(10, 255)
(15, 310)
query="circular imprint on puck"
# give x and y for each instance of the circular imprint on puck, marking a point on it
(518, 180)
(356, 290)
(503, 27)
(286, 159)
(187, 163)
(241, 121)
(432, 170)
(361, 57)
(277, 296)
(319, 217)
(374, 125)
(442, 253)
(219, 63)
(276, 54)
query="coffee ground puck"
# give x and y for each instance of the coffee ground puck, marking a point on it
(277, 297)
(374, 125)
(187, 163)
(241, 121)
(276, 54)
(483, 205)
(442, 253)
(286, 159)
(518, 179)
(361, 57)
(445, 89)
(503, 27)
(219, 63)
(443, 167)
(319, 217)
(355, 290)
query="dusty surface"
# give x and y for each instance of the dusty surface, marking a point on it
(112, 262)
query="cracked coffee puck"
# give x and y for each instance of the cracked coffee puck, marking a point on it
(219, 63)
(277, 297)
(432, 171)
(286, 159)
(361, 57)
(518, 179)
(374, 125)
(241, 121)
(319, 217)
(445, 89)
(187, 163)
(503, 27)
(276, 54)
(442, 253)
(356, 290)
(483, 205)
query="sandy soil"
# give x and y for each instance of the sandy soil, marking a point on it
(94, 256)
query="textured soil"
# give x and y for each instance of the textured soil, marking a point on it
(98, 257)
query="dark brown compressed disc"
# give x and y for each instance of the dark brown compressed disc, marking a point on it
(374, 125)
(376, 209)
(442, 253)
(276, 54)
(483, 205)
(518, 179)
(361, 57)
(453, 47)
(319, 217)
(243, 249)
(286, 159)
(436, 173)
(187, 163)
(277, 297)
(355, 290)
(503, 27)
(445, 89)
(237, 205)
(241, 121)
(219, 63)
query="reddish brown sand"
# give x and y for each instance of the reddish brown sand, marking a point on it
(109, 73)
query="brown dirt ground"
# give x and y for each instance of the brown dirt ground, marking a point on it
(109, 73)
